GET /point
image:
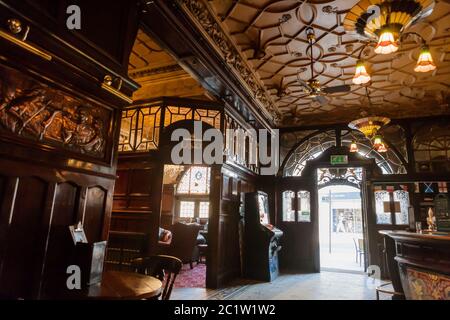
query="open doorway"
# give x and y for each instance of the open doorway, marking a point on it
(341, 228)
(185, 211)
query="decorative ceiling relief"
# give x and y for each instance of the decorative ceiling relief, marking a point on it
(158, 73)
(272, 37)
(33, 110)
(200, 12)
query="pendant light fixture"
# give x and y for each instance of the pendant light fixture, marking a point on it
(361, 76)
(387, 42)
(425, 62)
(383, 24)
(354, 147)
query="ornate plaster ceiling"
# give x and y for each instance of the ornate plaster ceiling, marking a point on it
(270, 36)
(158, 73)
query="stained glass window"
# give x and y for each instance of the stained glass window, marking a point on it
(288, 206)
(195, 181)
(314, 144)
(383, 207)
(187, 209)
(401, 204)
(203, 211)
(304, 206)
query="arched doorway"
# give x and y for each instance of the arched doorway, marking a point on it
(341, 227)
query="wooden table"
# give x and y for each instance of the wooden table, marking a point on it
(120, 285)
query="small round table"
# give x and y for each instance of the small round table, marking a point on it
(120, 285)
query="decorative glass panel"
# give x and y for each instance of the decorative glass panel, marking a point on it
(313, 145)
(432, 148)
(401, 201)
(195, 181)
(382, 207)
(127, 130)
(139, 129)
(304, 206)
(187, 209)
(174, 114)
(203, 211)
(288, 206)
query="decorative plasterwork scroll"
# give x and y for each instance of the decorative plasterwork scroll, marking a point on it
(33, 110)
(201, 15)
(339, 175)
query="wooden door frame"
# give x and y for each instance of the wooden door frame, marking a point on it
(309, 174)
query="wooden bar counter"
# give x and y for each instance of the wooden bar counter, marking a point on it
(420, 263)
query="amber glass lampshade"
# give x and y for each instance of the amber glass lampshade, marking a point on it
(361, 76)
(387, 43)
(378, 144)
(377, 141)
(425, 62)
(382, 148)
(354, 147)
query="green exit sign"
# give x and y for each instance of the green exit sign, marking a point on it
(339, 159)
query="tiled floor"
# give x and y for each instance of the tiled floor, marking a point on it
(315, 286)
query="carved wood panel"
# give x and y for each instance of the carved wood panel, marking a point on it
(32, 110)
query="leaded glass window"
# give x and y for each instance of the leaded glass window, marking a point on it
(196, 180)
(203, 211)
(304, 206)
(187, 209)
(315, 144)
(288, 206)
(401, 204)
(383, 207)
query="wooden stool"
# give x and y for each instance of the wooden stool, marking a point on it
(381, 289)
(202, 248)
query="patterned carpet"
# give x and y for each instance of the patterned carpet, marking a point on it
(191, 278)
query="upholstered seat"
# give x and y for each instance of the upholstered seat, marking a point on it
(184, 242)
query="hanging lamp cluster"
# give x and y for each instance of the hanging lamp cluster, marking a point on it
(383, 24)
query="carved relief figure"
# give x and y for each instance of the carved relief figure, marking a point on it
(33, 110)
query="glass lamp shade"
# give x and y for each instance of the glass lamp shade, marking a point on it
(386, 43)
(361, 76)
(354, 147)
(425, 62)
(377, 141)
(382, 148)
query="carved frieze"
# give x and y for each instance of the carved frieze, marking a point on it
(33, 110)
(198, 10)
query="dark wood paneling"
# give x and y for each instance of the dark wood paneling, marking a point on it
(94, 214)
(234, 184)
(20, 247)
(59, 240)
(52, 170)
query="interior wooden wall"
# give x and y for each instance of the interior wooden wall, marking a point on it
(49, 179)
(137, 198)
(234, 182)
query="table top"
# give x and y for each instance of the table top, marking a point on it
(121, 285)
